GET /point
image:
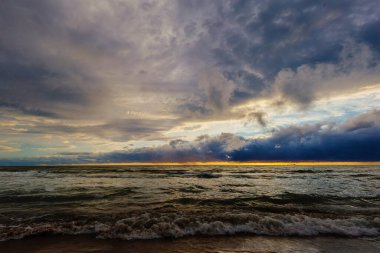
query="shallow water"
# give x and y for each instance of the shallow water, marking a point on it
(196, 244)
(145, 202)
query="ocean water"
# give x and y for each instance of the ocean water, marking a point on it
(146, 202)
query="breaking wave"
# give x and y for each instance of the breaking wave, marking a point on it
(150, 226)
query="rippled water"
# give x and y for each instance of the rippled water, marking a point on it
(143, 202)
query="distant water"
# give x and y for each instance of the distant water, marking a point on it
(145, 202)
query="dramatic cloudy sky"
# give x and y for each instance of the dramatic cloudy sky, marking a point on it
(117, 81)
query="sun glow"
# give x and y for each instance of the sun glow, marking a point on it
(218, 163)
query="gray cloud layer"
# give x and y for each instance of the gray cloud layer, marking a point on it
(356, 139)
(130, 70)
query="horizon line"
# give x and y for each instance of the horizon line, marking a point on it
(211, 163)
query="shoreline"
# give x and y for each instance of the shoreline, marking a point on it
(234, 243)
(211, 163)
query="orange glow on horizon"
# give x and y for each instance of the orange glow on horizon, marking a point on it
(218, 163)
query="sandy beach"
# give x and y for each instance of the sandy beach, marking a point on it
(222, 244)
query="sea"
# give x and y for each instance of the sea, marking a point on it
(150, 202)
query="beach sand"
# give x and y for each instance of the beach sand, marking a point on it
(222, 244)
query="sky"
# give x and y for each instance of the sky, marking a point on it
(178, 81)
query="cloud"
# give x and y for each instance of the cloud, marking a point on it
(270, 45)
(297, 52)
(362, 122)
(356, 68)
(57, 147)
(88, 56)
(135, 70)
(84, 66)
(8, 149)
(259, 117)
(116, 130)
(28, 111)
(213, 101)
(353, 140)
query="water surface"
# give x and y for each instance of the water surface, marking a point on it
(145, 202)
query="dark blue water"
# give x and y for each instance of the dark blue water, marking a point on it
(144, 202)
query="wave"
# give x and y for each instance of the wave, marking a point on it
(99, 174)
(150, 226)
(76, 194)
(172, 196)
(280, 200)
(311, 171)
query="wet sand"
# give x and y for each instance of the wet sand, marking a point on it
(222, 244)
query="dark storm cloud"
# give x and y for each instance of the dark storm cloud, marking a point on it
(256, 42)
(369, 33)
(204, 149)
(35, 66)
(26, 85)
(59, 55)
(356, 139)
(28, 111)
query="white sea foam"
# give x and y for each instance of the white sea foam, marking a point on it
(148, 226)
(144, 203)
